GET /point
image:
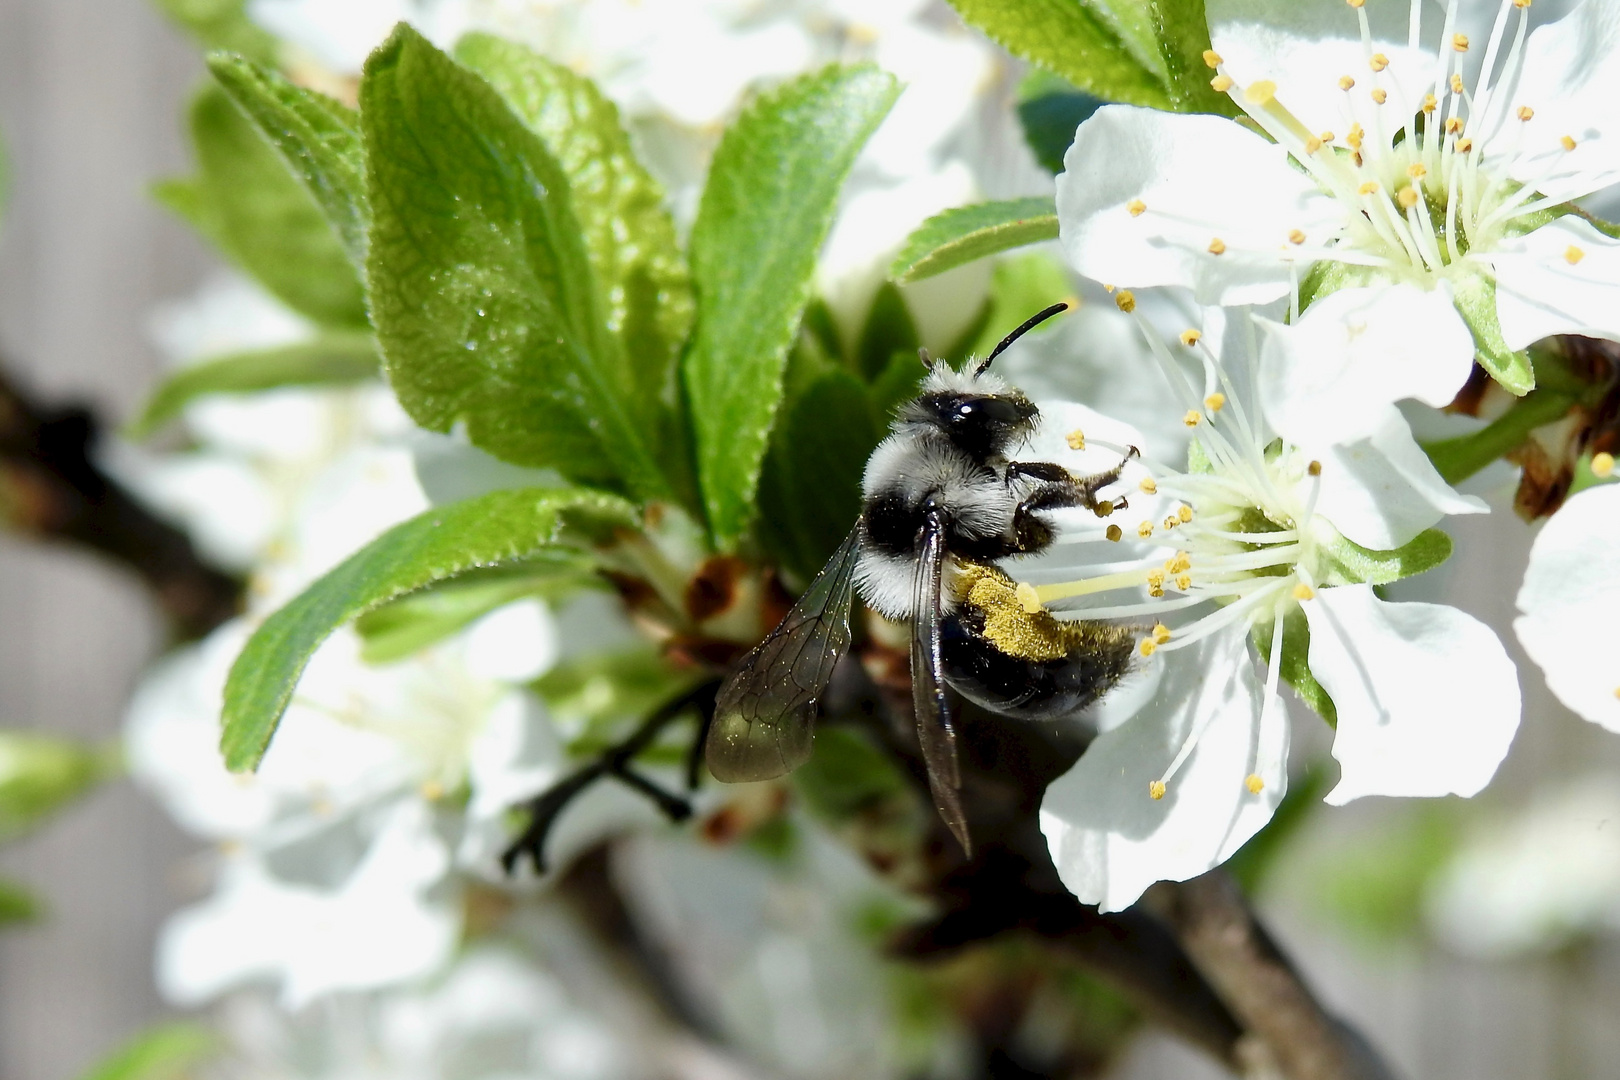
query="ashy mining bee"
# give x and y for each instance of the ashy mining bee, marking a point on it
(944, 499)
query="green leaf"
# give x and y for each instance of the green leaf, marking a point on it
(169, 1052)
(17, 904)
(900, 381)
(332, 359)
(629, 235)
(318, 140)
(245, 201)
(1067, 37)
(1475, 297)
(1296, 669)
(1351, 564)
(1019, 287)
(889, 330)
(1049, 121)
(770, 197)
(502, 526)
(39, 774)
(1375, 883)
(1182, 30)
(482, 289)
(845, 774)
(222, 24)
(955, 237)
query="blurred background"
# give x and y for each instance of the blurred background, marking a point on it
(91, 99)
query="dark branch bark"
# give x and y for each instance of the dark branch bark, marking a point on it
(51, 489)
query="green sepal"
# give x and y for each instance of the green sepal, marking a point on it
(960, 236)
(1475, 298)
(501, 527)
(337, 358)
(1296, 669)
(1347, 563)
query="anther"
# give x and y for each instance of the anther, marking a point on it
(1346, 82)
(1076, 439)
(1378, 62)
(1408, 197)
(1185, 513)
(1114, 533)
(1104, 508)
(1569, 142)
(1126, 300)
(1155, 579)
(1355, 3)
(1464, 145)
(1028, 598)
(1192, 418)
(1573, 254)
(1215, 402)
(1161, 633)
(1327, 136)
(1460, 42)
(1145, 529)
(1135, 207)
(1380, 96)
(1254, 784)
(1521, 4)
(1212, 58)
(1303, 591)
(1416, 171)
(1526, 113)
(1170, 522)
(1190, 337)
(1148, 647)
(1150, 486)
(1156, 788)
(1260, 93)
(1296, 237)
(1454, 125)
(1314, 468)
(1603, 464)
(1221, 83)
(1456, 83)
(1357, 132)
(1184, 582)
(1369, 188)
(1217, 246)
(1429, 103)
(1180, 563)
(1312, 145)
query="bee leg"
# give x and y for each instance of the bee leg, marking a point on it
(545, 808)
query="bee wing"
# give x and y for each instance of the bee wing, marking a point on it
(935, 732)
(764, 714)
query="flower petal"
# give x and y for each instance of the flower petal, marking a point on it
(1332, 376)
(1559, 279)
(1199, 179)
(1110, 840)
(1428, 700)
(1570, 594)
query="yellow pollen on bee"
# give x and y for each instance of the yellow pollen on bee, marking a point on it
(1603, 464)
(1156, 788)
(1573, 254)
(1429, 103)
(1456, 83)
(1569, 142)
(1161, 633)
(1192, 418)
(1408, 197)
(1126, 300)
(1464, 145)
(1148, 647)
(1312, 145)
(1314, 468)
(1262, 92)
(1525, 113)
(1303, 591)
(1212, 58)
(1114, 533)
(1135, 207)
(1357, 132)
(1378, 62)
(1190, 338)
(1369, 188)
(1028, 598)
(1380, 96)
(1346, 82)
(1459, 42)
(1296, 237)
(1217, 246)
(1454, 125)
(1221, 83)
(1185, 514)
(1150, 486)
(1254, 784)
(1076, 439)
(1215, 402)
(1145, 529)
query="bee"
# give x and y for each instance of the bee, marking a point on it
(944, 498)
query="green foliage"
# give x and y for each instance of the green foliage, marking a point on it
(889, 330)
(770, 197)
(1182, 31)
(604, 694)
(317, 138)
(17, 904)
(845, 774)
(1049, 120)
(1373, 885)
(1475, 297)
(169, 1052)
(1093, 51)
(1296, 669)
(245, 201)
(337, 358)
(500, 527)
(222, 24)
(483, 293)
(39, 774)
(955, 237)
(1019, 287)
(629, 236)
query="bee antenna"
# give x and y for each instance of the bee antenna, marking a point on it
(927, 361)
(1023, 328)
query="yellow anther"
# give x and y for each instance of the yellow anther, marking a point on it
(1456, 83)
(1170, 522)
(1148, 647)
(1156, 788)
(1314, 468)
(1569, 142)
(1454, 125)
(1155, 579)
(1156, 591)
(1603, 464)
(1521, 4)
(1217, 246)
(1355, 3)
(432, 790)
(1573, 254)
(1464, 145)
(1429, 103)
(1190, 337)
(1617, 691)
(1357, 133)
(1380, 96)
(1221, 83)
(1161, 633)
(1254, 784)
(1215, 402)
(1103, 508)
(1346, 82)
(1114, 533)
(1212, 58)
(1180, 563)
(1526, 113)
(1136, 207)
(1028, 598)
(1076, 439)
(1262, 92)
(1145, 529)
(1327, 136)
(1303, 591)
(1408, 197)
(1312, 145)
(1297, 236)
(1149, 486)
(1416, 171)
(1369, 188)
(1126, 300)
(1378, 62)
(1107, 288)
(1185, 514)
(1184, 582)
(1459, 42)
(1192, 418)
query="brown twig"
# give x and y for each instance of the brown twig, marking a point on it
(52, 489)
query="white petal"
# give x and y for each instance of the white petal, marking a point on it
(1570, 594)
(1110, 840)
(1559, 279)
(1428, 700)
(1201, 178)
(1383, 490)
(1331, 376)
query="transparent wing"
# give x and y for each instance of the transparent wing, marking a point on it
(764, 714)
(935, 732)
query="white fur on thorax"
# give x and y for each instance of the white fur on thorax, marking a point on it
(942, 378)
(916, 464)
